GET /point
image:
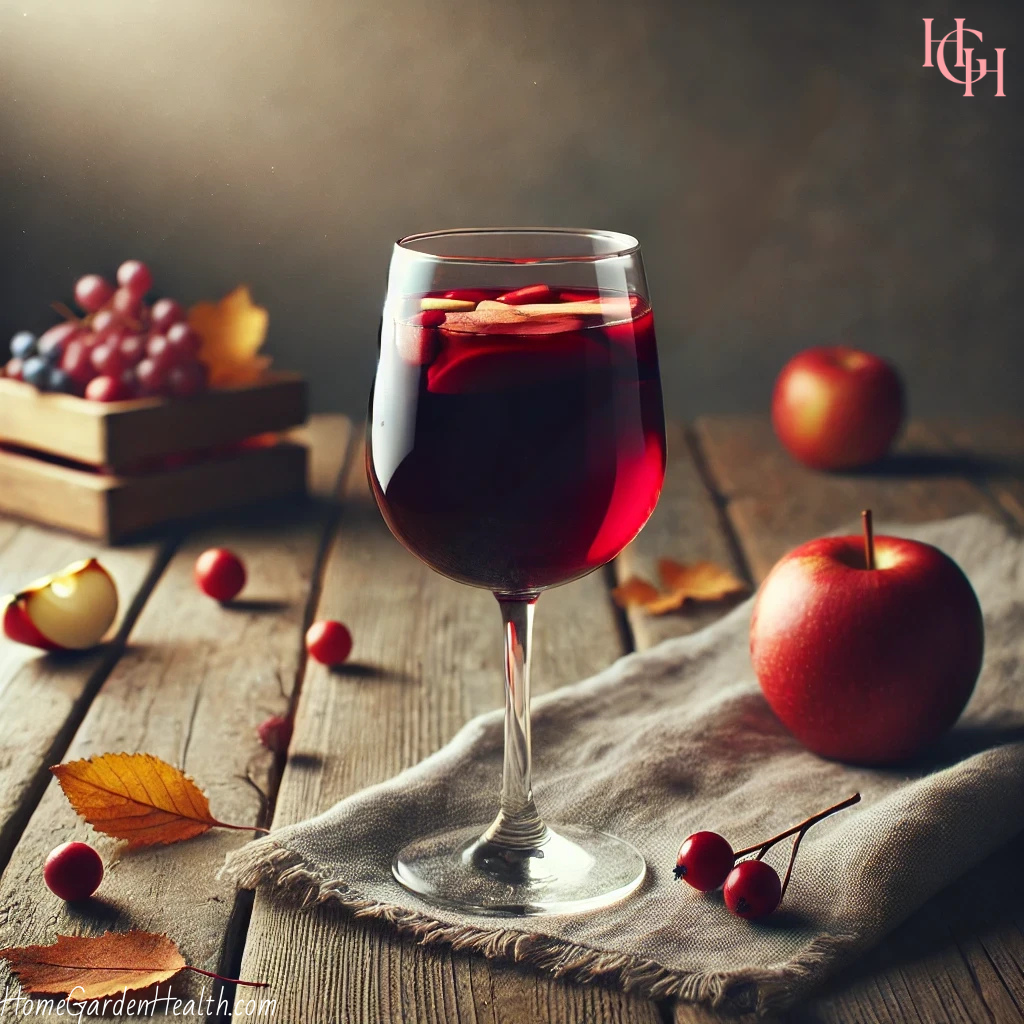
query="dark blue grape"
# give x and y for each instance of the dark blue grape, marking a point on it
(49, 349)
(58, 380)
(36, 371)
(23, 344)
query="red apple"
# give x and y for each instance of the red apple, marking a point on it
(866, 665)
(837, 407)
(71, 610)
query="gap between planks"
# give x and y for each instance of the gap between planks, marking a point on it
(327, 482)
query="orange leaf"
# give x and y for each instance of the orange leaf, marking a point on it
(232, 331)
(634, 592)
(92, 967)
(136, 797)
(702, 581)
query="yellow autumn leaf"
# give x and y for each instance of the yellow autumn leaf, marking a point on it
(138, 797)
(233, 330)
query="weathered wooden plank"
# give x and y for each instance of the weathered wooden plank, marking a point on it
(686, 526)
(427, 656)
(44, 697)
(774, 503)
(959, 958)
(992, 453)
(192, 685)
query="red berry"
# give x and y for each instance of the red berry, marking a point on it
(704, 860)
(135, 277)
(131, 349)
(276, 733)
(129, 382)
(162, 353)
(104, 320)
(106, 359)
(183, 339)
(77, 363)
(166, 312)
(93, 292)
(329, 642)
(752, 889)
(186, 380)
(468, 294)
(220, 574)
(106, 389)
(127, 303)
(150, 377)
(13, 368)
(73, 871)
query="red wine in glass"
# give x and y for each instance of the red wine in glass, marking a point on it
(534, 457)
(517, 442)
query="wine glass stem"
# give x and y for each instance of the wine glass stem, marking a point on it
(518, 826)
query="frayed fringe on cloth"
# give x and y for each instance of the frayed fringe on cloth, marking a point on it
(760, 990)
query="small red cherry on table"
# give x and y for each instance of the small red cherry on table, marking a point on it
(329, 642)
(73, 871)
(220, 574)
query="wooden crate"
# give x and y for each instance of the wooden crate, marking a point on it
(114, 508)
(121, 435)
(113, 470)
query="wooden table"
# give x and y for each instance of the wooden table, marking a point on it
(189, 681)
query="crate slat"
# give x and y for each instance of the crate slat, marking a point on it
(114, 508)
(120, 435)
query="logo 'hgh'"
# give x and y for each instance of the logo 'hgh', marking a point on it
(974, 70)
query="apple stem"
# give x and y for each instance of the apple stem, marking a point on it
(869, 538)
(801, 828)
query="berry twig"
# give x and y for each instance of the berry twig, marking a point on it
(230, 981)
(801, 828)
(64, 310)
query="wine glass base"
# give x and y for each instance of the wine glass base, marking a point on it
(574, 870)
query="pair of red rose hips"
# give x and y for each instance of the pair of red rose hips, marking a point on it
(751, 889)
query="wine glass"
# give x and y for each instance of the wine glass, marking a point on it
(516, 442)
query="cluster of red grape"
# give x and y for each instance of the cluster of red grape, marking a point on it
(121, 348)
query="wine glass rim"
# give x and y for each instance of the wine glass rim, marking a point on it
(620, 244)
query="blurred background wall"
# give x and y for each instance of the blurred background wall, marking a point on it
(794, 174)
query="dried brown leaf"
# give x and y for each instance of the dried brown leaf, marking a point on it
(92, 967)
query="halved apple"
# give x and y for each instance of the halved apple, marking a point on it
(68, 611)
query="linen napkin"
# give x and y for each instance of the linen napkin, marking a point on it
(677, 739)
